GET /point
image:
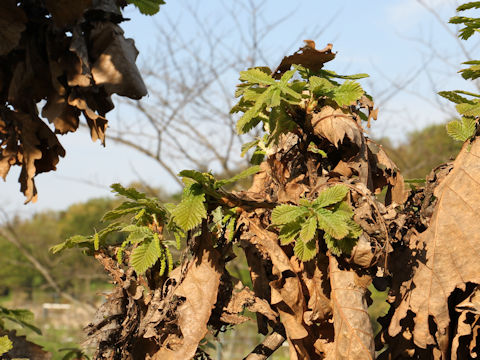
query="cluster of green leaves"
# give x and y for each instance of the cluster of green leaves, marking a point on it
(154, 227)
(468, 103)
(192, 209)
(329, 212)
(21, 317)
(270, 102)
(148, 220)
(147, 7)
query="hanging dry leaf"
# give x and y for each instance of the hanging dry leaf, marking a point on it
(114, 62)
(12, 24)
(446, 254)
(66, 12)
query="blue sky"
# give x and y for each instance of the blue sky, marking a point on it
(391, 40)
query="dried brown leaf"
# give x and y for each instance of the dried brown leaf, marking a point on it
(464, 343)
(12, 24)
(24, 349)
(446, 254)
(67, 12)
(114, 61)
(306, 56)
(61, 114)
(334, 125)
(353, 330)
(199, 288)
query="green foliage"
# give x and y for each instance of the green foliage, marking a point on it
(20, 317)
(147, 7)
(273, 103)
(191, 210)
(5, 344)
(329, 212)
(468, 108)
(148, 222)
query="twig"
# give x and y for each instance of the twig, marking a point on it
(268, 346)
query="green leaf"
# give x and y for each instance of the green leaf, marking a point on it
(333, 224)
(305, 251)
(19, 316)
(74, 241)
(199, 177)
(145, 256)
(283, 214)
(347, 93)
(5, 344)
(257, 76)
(244, 174)
(469, 109)
(96, 242)
(287, 76)
(257, 156)
(321, 86)
(333, 74)
(309, 228)
(248, 146)
(147, 7)
(453, 97)
(130, 193)
(191, 210)
(340, 247)
(469, 5)
(289, 232)
(330, 196)
(344, 210)
(461, 130)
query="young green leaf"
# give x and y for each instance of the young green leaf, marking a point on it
(244, 174)
(332, 224)
(199, 177)
(257, 76)
(347, 93)
(305, 251)
(453, 97)
(130, 193)
(289, 232)
(283, 214)
(461, 130)
(330, 196)
(309, 228)
(145, 256)
(191, 210)
(469, 5)
(248, 146)
(147, 7)
(5, 344)
(339, 247)
(471, 109)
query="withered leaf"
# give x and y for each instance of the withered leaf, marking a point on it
(24, 349)
(61, 114)
(199, 288)
(306, 56)
(12, 24)
(353, 330)
(468, 327)
(114, 65)
(447, 254)
(334, 125)
(67, 12)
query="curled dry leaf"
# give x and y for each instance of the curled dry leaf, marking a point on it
(446, 255)
(306, 56)
(67, 12)
(464, 344)
(199, 288)
(334, 124)
(353, 330)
